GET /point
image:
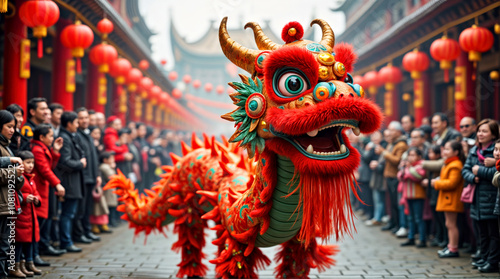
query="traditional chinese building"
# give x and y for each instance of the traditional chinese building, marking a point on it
(26, 74)
(384, 31)
(203, 60)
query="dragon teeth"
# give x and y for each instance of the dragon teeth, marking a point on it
(312, 133)
(310, 148)
(356, 131)
(343, 149)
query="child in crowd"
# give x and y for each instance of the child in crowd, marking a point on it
(99, 218)
(27, 231)
(108, 168)
(414, 196)
(450, 185)
(440, 233)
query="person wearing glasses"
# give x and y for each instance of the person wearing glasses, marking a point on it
(468, 131)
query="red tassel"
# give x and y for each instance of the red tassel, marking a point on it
(446, 75)
(40, 48)
(78, 65)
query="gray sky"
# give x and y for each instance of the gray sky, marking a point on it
(192, 17)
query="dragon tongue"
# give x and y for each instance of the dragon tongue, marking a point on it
(316, 142)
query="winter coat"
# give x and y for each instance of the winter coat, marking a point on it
(27, 134)
(107, 172)
(485, 194)
(27, 222)
(91, 171)
(450, 185)
(69, 168)
(393, 156)
(8, 178)
(45, 179)
(410, 179)
(110, 138)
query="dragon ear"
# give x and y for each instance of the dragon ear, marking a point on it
(344, 53)
(251, 106)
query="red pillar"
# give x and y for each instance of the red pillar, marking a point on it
(396, 104)
(131, 105)
(61, 77)
(93, 88)
(418, 100)
(15, 87)
(117, 109)
(465, 97)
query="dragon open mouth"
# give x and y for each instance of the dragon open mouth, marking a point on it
(324, 143)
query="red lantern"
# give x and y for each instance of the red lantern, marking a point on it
(445, 50)
(39, 15)
(390, 75)
(359, 80)
(176, 93)
(372, 81)
(146, 84)
(219, 89)
(186, 79)
(133, 78)
(163, 99)
(119, 70)
(163, 62)
(77, 37)
(105, 26)
(196, 83)
(154, 94)
(103, 55)
(172, 75)
(208, 87)
(475, 40)
(143, 65)
(416, 62)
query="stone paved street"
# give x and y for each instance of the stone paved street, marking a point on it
(371, 254)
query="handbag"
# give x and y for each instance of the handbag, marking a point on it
(468, 193)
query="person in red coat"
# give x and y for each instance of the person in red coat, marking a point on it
(111, 138)
(27, 231)
(46, 159)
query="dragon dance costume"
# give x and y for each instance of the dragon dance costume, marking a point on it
(284, 176)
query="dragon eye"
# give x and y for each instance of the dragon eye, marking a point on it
(348, 79)
(291, 84)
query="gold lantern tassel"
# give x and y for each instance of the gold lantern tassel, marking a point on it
(3, 6)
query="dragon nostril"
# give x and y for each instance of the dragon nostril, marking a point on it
(341, 95)
(351, 95)
(307, 104)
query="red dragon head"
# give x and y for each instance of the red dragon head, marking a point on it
(298, 103)
(300, 99)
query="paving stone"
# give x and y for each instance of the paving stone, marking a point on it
(370, 254)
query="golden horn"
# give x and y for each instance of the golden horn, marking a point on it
(328, 38)
(263, 42)
(241, 56)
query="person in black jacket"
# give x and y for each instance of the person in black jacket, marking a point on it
(37, 114)
(69, 170)
(81, 225)
(479, 170)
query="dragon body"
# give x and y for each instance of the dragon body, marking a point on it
(284, 176)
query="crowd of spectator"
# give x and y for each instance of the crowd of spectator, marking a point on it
(435, 186)
(53, 170)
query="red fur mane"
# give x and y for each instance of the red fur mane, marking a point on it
(345, 53)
